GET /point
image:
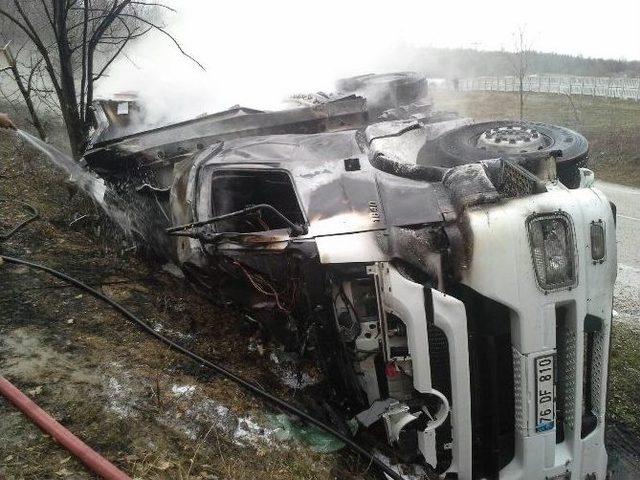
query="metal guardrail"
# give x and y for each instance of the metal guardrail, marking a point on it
(611, 87)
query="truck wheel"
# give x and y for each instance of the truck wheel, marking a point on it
(515, 140)
(387, 90)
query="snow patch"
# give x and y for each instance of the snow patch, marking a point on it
(201, 414)
(248, 431)
(297, 381)
(119, 398)
(183, 389)
(173, 334)
(626, 295)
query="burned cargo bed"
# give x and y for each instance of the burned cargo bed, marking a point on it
(107, 154)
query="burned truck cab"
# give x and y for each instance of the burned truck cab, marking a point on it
(453, 280)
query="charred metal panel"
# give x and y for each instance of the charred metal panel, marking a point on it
(406, 141)
(408, 202)
(401, 147)
(190, 136)
(420, 247)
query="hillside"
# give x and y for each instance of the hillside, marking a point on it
(466, 62)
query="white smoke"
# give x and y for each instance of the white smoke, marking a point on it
(257, 53)
(251, 58)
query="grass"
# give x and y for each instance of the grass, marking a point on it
(624, 394)
(611, 126)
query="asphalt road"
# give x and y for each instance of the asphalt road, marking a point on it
(626, 302)
(627, 200)
(622, 443)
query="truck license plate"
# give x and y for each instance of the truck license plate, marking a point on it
(545, 394)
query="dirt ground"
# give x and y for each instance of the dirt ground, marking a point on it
(153, 413)
(611, 126)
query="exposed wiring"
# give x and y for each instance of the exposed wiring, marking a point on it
(349, 304)
(254, 389)
(261, 221)
(264, 287)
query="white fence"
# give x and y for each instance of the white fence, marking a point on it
(624, 88)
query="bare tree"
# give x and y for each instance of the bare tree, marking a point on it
(73, 43)
(25, 78)
(520, 62)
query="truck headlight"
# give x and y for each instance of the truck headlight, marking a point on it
(552, 250)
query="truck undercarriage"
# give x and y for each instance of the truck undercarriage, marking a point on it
(452, 279)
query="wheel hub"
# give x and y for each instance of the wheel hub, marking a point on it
(512, 139)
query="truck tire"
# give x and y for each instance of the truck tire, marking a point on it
(386, 90)
(515, 140)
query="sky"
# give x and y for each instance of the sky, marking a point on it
(258, 52)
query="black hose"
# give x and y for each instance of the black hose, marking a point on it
(34, 215)
(282, 404)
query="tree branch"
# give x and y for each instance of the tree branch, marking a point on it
(83, 82)
(113, 57)
(167, 34)
(48, 13)
(155, 5)
(35, 39)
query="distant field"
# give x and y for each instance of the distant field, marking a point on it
(611, 126)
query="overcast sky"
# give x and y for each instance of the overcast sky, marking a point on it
(257, 52)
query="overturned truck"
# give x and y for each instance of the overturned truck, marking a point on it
(452, 279)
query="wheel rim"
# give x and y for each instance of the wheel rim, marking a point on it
(513, 139)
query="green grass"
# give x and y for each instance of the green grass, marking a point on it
(624, 370)
(612, 127)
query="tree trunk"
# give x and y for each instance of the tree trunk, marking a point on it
(521, 97)
(76, 128)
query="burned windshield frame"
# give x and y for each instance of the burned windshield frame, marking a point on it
(236, 188)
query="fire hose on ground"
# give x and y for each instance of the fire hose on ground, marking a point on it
(93, 460)
(254, 389)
